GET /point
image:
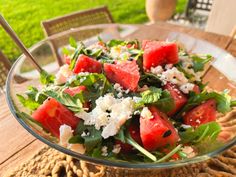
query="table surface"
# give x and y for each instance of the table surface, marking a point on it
(17, 145)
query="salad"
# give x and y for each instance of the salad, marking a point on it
(128, 101)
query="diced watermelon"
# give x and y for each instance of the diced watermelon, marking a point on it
(125, 73)
(52, 114)
(67, 59)
(158, 131)
(87, 64)
(159, 53)
(179, 98)
(201, 114)
(74, 90)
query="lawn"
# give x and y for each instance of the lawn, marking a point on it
(25, 16)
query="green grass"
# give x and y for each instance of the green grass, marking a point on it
(25, 16)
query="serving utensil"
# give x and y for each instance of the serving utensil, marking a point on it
(18, 42)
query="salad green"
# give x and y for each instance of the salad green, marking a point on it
(122, 101)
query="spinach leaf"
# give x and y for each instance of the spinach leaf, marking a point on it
(151, 95)
(200, 61)
(46, 78)
(208, 130)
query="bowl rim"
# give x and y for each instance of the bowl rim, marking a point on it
(99, 161)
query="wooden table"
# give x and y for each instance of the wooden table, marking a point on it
(17, 145)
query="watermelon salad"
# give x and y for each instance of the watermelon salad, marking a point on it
(129, 101)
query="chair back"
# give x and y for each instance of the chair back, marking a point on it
(5, 66)
(222, 17)
(94, 16)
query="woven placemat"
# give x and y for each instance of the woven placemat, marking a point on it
(49, 162)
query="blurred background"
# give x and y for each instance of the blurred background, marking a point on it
(25, 16)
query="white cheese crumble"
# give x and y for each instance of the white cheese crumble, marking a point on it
(63, 74)
(104, 151)
(174, 76)
(189, 151)
(110, 113)
(120, 90)
(97, 46)
(186, 88)
(157, 70)
(66, 133)
(120, 52)
(85, 134)
(168, 66)
(116, 149)
(146, 113)
(187, 64)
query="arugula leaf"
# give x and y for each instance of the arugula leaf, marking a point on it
(46, 78)
(115, 42)
(223, 101)
(79, 50)
(35, 95)
(28, 103)
(208, 130)
(167, 156)
(233, 103)
(73, 103)
(65, 51)
(166, 102)
(33, 100)
(91, 140)
(72, 42)
(208, 145)
(149, 79)
(199, 62)
(151, 95)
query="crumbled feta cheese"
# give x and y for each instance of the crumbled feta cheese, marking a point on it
(120, 52)
(189, 151)
(83, 73)
(186, 88)
(119, 95)
(110, 113)
(120, 90)
(187, 64)
(174, 76)
(104, 151)
(168, 66)
(146, 113)
(116, 149)
(97, 46)
(85, 134)
(66, 133)
(137, 112)
(157, 70)
(63, 74)
(186, 126)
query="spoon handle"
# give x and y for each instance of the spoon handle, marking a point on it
(20, 44)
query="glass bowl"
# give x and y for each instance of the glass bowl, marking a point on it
(221, 74)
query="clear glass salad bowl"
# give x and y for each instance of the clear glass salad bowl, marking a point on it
(221, 75)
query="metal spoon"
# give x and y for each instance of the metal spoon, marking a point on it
(19, 43)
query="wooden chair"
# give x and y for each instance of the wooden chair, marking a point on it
(222, 17)
(94, 16)
(5, 66)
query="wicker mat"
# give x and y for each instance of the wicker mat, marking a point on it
(49, 162)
